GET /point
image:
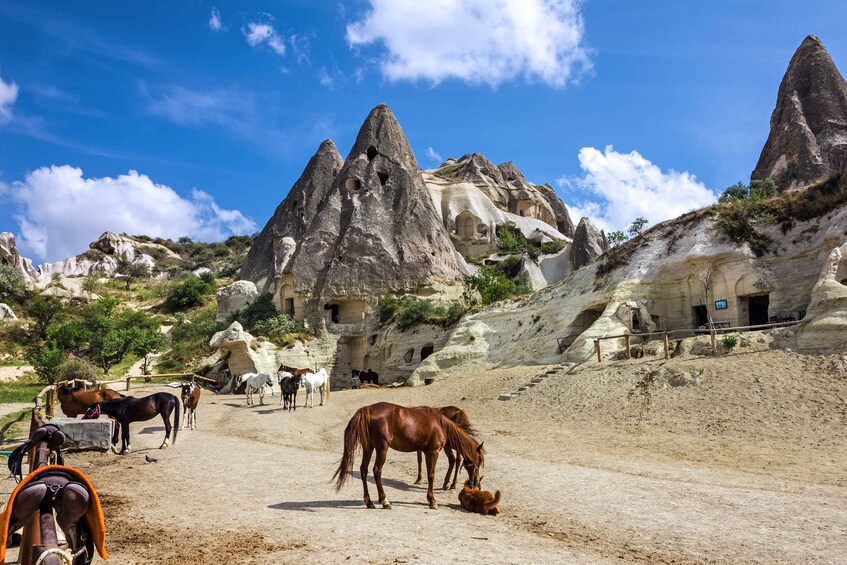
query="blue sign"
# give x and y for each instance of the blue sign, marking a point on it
(721, 304)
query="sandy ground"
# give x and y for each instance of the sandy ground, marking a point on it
(603, 465)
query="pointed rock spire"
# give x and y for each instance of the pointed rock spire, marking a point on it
(808, 137)
(294, 214)
(588, 244)
(381, 134)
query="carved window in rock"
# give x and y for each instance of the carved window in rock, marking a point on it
(410, 354)
(426, 351)
(466, 226)
(352, 183)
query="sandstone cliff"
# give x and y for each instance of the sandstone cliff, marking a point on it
(808, 137)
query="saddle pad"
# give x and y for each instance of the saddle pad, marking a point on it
(93, 516)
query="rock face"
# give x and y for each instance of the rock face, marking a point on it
(376, 230)
(269, 253)
(9, 256)
(103, 255)
(825, 326)
(588, 244)
(6, 313)
(234, 297)
(808, 137)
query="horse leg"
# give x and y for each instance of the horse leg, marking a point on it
(187, 420)
(459, 459)
(125, 446)
(419, 480)
(323, 391)
(363, 471)
(262, 396)
(451, 461)
(431, 460)
(381, 454)
(167, 420)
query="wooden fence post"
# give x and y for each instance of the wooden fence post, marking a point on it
(597, 349)
(128, 381)
(667, 347)
(51, 403)
(628, 353)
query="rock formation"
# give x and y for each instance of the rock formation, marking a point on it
(808, 137)
(103, 254)
(825, 326)
(377, 229)
(9, 255)
(275, 244)
(234, 297)
(6, 313)
(588, 244)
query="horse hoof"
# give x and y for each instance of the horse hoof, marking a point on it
(370, 504)
(433, 505)
(164, 445)
(386, 505)
(419, 481)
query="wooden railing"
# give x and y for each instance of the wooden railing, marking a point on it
(713, 331)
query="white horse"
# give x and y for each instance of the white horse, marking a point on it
(314, 381)
(256, 381)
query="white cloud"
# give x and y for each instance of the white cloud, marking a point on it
(215, 22)
(61, 212)
(434, 155)
(258, 34)
(620, 187)
(8, 96)
(479, 41)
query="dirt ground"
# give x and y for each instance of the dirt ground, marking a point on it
(607, 464)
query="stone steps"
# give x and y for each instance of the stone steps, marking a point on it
(535, 381)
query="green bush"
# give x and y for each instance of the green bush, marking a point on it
(279, 327)
(189, 293)
(408, 312)
(73, 368)
(261, 309)
(510, 239)
(190, 340)
(12, 284)
(729, 342)
(46, 361)
(493, 286)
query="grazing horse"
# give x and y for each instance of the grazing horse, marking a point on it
(130, 409)
(367, 376)
(76, 402)
(381, 426)
(190, 400)
(315, 381)
(460, 418)
(289, 385)
(256, 381)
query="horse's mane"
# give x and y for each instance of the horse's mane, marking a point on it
(460, 440)
(460, 418)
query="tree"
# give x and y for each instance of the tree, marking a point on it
(148, 341)
(12, 283)
(132, 270)
(616, 238)
(738, 191)
(189, 293)
(637, 225)
(43, 310)
(762, 189)
(46, 361)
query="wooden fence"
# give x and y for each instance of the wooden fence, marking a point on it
(713, 332)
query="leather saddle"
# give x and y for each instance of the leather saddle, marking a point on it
(49, 433)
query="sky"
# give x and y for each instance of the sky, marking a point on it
(194, 118)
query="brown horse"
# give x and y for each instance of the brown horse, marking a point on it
(190, 400)
(383, 425)
(76, 402)
(130, 409)
(295, 371)
(460, 418)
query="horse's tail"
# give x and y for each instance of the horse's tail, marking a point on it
(355, 434)
(176, 417)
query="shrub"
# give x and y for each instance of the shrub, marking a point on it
(729, 342)
(12, 284)
(279, 328)
(261, 309)
(46, 361)
(408, 312)
(189, 293)
(510, 239)
(73, 368)
(190, 340)
(387, 308)
(494, 286)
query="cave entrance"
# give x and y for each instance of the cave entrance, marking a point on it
(758, 309)
(701, 316)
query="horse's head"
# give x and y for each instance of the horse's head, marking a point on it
(269, 381)
(92, 413)
(474, 467)
(64, 390)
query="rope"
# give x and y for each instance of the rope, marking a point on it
(66, 555)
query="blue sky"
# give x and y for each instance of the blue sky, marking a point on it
(628, 108)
